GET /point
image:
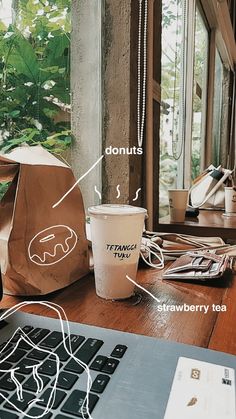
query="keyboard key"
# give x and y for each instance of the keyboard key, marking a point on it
(31, 385)
(7, 384)
(4, 353)
(88, 350)
(66, 380)
(52, 340)
(25, 366)
(74, 367)
(75, 341)
(98, 363)
(119, 351)
(24, 345)
(60, 395)
(20, 404)
(3, 393)
(38, 334)
(36, 412)
(85, 354)
(49, 367)
(16, 356)
(37, 354)
(5, 366)
(61, 352)
(27, 329)
(110, 366)
(16, 337)
(100, 383)
(7, 415)
(73, 405)
(6, 347)
(61, 417)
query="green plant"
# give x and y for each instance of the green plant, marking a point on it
(35, 76)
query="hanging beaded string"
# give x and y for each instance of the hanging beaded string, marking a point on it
(141, 114)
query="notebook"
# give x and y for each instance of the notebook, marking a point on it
(132, 376)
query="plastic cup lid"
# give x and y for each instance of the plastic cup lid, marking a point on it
(115, 209)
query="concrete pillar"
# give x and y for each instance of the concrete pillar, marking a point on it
(116, 97)
(86, 94)
(120, 39)
(104, 97)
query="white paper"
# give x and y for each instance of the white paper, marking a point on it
(201, 390)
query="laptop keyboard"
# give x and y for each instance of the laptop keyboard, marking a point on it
(35, 371)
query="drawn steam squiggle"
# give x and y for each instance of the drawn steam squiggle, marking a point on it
(97, 192)
(118, 191)
(136, 196)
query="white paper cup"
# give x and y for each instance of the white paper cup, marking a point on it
(178, 199)
(230, 200)
(116, 233)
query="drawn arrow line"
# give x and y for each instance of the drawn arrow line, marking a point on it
(79, 180)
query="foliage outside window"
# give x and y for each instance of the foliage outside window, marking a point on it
(35, 74)
(217, 110)
(171, 141)
(201, 45)
(177, 20)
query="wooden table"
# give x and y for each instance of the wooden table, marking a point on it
(215, 330)
(208, 223)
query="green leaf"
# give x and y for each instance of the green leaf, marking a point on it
(57, 45)
(50, 112)
(15, 113)
(23, 58)
(3, 27)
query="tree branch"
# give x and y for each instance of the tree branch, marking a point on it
(44, 5)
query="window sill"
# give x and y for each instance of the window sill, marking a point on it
(208, 223)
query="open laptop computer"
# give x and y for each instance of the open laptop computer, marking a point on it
(132, 375)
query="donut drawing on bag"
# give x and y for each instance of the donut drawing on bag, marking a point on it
(52, 244)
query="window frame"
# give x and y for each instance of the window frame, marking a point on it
(215, 24)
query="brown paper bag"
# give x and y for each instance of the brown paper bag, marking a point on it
(42, 249)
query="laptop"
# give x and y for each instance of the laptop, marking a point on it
(132, 376)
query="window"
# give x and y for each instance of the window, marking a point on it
(172, 76)
(194, 129)
(200, 68)
(217, 110)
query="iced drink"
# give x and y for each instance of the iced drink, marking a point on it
(116, 232)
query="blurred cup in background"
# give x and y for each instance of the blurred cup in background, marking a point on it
(230, 200)
(178, 200)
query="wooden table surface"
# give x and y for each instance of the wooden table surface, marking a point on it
(215, 330)
(208, 223)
